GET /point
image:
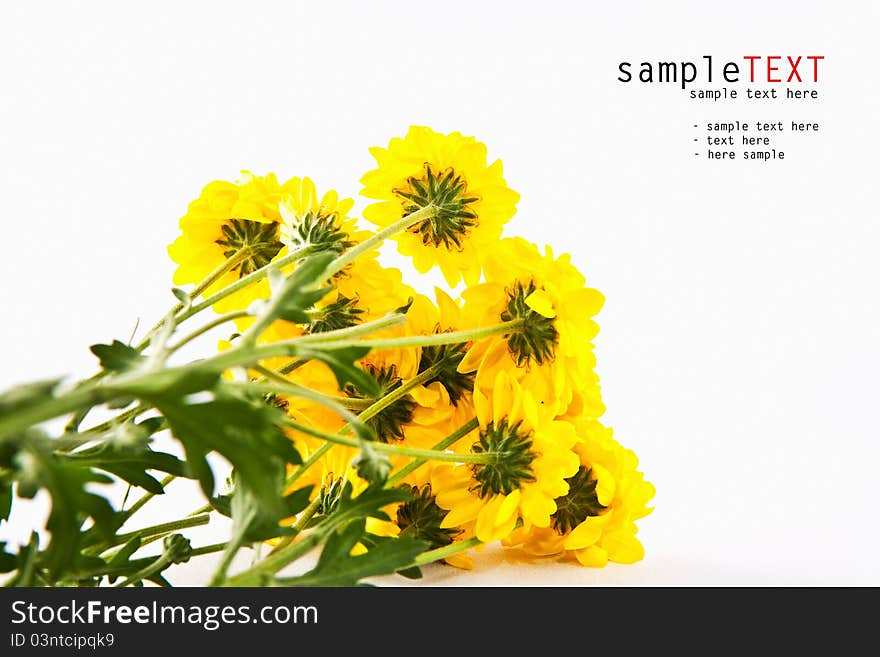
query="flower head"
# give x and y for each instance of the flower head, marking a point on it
(528, 460)
(471, 199)
(251, 223)
(594, 521)
(549, 351)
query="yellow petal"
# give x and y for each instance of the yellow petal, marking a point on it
(541, 303)
(593, 556)
(584, 535)
(623, 547)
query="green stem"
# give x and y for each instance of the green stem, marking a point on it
(228, 317)
(229, 552)
(67, 403)
(203, 285)
(275, 562)
(153, 530)
(401, 391)
(301, 523)
(369, 412)
(207, 508)
(451, 439)
(386, 448)
(290, 347)
(208, 549)
(137, 506)
(442, 553)
(452, 337)
(347, 402)
(160, 563)
(352, 254)
(389, 321)
(308, 463)
(122, 417)
(244, 281)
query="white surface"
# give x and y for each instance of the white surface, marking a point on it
(738, 351)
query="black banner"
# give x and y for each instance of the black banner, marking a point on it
(372, 619)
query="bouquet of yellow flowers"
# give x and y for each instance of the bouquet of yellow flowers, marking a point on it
(361, 418)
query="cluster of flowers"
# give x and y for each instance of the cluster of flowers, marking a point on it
(517, 399)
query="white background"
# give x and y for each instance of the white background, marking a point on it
(738, 351)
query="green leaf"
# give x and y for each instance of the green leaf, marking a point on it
(371, 540)
(175, 382)
(245, 432)
(343, 364)
(117, 356)
(182, 296)
(337, 567)
(404, 309)
(371, 465)
(37, 467)
(26, 562)
(293, 296)
(132, 466)
(8, 561)
(28, 394)
(122, 557)
(5, 500)
(127, 454)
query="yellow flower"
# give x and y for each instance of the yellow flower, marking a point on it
(256, 221)
(550, 353)
(595, 521)
(310, 219)
(524, 481)
(472, 199)
(230, 220)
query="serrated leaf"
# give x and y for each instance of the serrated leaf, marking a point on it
(27, 394)
(5, 500)
(175, 382)
(125, 553)
(337, 567)
(369, 541)
(246, 433)
(371, 465)
(132, 466)
(38, 468)
(293, 296)
(116, 356)
(343, 363)
(8, 561)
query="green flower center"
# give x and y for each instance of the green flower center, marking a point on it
(579, 503)
(512, 465)
(388, 423)
(447, 192)
(260, 240)
(340, 314)
(447, 357)
(421, 518)
(320, 230)
(535, 341)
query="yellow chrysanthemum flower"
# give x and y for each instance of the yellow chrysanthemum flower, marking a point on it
(472, 199)
(550, 353)
(230, 220)
(595, 521)
(524, 482)
(254, 222)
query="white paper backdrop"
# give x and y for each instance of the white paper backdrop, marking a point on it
(738, 350)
